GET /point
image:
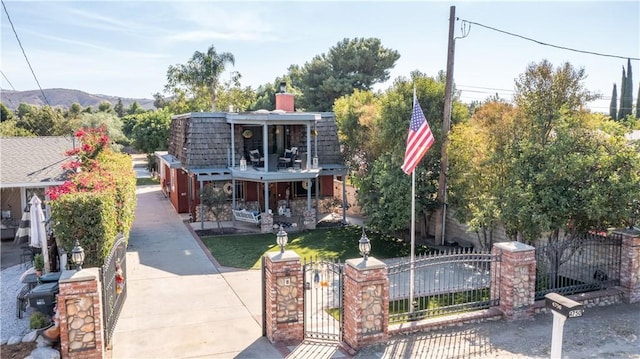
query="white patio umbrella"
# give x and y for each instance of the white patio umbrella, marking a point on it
(38, 233)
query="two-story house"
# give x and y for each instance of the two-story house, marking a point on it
(270, 163)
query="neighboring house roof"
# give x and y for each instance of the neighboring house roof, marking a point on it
(33, 161)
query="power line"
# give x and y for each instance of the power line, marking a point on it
(5, 77)
(547, 44)
(24, 53)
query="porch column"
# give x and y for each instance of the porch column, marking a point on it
(366, 302)
(344, 199)
(308, 146)
(233, 146)
(517, 273)
(200, 204)
(266, 193)
(233, 201)
(630, 265)
(265, 147)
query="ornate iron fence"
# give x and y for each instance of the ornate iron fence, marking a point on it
(323, 298)
(443, 283)
(114, 288)
(590, 262)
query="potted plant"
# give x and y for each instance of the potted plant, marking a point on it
(38, 263)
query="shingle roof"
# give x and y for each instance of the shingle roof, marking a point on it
(33, 160)
(203, 140)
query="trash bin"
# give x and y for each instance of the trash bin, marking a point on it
(50, 277)
(43, 297)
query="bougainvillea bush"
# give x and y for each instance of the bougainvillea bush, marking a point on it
(98, 201)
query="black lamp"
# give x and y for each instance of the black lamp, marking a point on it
(77, 255)
(283, 87)
(282, 239)
(364, 245)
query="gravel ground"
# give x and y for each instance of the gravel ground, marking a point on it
(603, 332)
(10, 283)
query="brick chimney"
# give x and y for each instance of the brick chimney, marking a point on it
(284, 100)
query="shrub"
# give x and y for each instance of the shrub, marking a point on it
(38, 320)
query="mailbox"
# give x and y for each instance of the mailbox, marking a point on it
(563, 305)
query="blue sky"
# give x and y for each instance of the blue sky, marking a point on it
(123, 48)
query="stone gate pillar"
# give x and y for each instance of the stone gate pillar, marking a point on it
(517, 274)
(80, 314)
(284, 311)
(366, 302)
(630, 265)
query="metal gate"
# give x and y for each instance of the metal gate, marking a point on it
(114, 289)
(323, 312)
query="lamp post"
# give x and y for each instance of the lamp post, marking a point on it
(77, 255)
(282, 239)
(364, 245)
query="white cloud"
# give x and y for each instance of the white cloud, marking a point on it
(206, 21)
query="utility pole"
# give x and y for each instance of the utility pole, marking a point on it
(446, 124)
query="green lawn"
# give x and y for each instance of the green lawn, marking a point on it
(146, 181)
(245, 251)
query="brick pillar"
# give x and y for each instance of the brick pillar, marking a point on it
(366, 302)
(80, 314)
(284, 293)
(517, 274)
(266, 222)
(630, 265)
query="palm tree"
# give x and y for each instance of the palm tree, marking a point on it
(201, 72)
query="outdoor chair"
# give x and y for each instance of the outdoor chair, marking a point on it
(256, 159)
(289, 157)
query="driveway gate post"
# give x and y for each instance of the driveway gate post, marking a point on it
(284, 297)
(517, 271)
(80, 314)
(366, 302)
(630, 265)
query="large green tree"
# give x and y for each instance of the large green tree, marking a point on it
(5, 113)
(357, 117)
(150, 130)
(201, 73)
(384, 188)
(232, 96)
(542, 92)
(479, 154)
(351, 64)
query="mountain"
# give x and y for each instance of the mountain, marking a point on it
(65, 98)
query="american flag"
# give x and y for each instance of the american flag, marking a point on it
(419, 140)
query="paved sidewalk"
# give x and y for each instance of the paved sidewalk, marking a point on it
(179, 305)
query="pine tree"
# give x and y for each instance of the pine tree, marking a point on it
(613, 106)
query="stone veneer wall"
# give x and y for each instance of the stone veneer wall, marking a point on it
(366, 302)
(284, 314)
(80, 314)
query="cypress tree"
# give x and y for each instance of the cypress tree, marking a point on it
(613, 110)
(638, 104)
(621, 110)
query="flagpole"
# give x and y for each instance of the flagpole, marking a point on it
(413, 240)
(413, 228)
